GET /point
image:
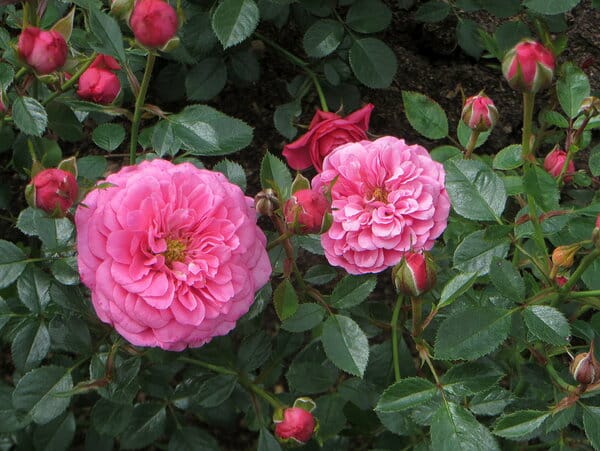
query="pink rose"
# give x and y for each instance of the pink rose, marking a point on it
(326, 132)
(554, 162)
(98, 84)
(305, 210)
(528, 66)
(415, 274)
(479, 113)
(54, 191)
(298, 424)
(154, 22)
(388, 199)
(171, 253)
(44, 51)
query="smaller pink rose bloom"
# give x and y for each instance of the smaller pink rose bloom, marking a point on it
(326, 132)
(528, 66)
(305, 210)
(44, 51)
(388, 198)
(98, 84)
(415, 274)
(154, 22)
(554, 162)
(479, 113)
(298, 424)
(55, 190)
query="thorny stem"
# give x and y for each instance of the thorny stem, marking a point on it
(416, 307)
(394, 326)
(139, 104)
(528, 102)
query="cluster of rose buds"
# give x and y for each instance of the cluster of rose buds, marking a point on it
(99, 83)
(415, 274)
(529, 66)
(43, 51)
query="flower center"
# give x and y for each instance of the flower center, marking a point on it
(380, 194)
(175, 251)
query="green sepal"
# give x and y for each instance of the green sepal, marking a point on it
(300, 182)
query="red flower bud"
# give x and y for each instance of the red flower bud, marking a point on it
(44, 51)
(560, 280)
(554, 162)
(98, 84)
(414, 275)
(528, 66)
(55, 191)
(297, 424)
(154, 22)
(479, 113)
(304, 211)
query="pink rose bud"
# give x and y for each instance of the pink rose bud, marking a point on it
(98, 84)
(415, 274)
(479, 113)
(304, 211)
(44, 51)
(554, 162)
(326, 132)
(298, 424)
(154, 22)
(560, 280)
(55, 191)
(528, 66)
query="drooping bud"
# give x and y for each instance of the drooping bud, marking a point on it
(585, 368)
(44, 51)
(554, 162)
(564, 256)
(296, 424)
(52, 190)
(415, 274)
(304, 211)
(528, 66)
(479, 113)
(266, 202)
(154, 22)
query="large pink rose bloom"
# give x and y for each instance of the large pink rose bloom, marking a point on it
(388, 198)
(171, 253)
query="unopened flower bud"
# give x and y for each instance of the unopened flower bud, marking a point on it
(98, 83)
(596, 233)
(528, 66)
(590, 106)
(44, 51)
(304, 211)
(560, 280)
(479, 113)
(564, 256)
(297, 424)
(266, 202)
(415, 274)
(585, 369)
(554, 162)
(53, 190)
(154, 22)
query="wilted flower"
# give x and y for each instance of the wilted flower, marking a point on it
(479, 113)
(388, 198)
(44, 51)
(304, 211)
(528, 66)
(326, 132)
(554, 162)
(154, 22)
(54, 191)
(171, 253)
(297, 424)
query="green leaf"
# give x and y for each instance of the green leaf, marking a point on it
(164, 142)
(475, 253)
(216, 390)
(425, 115)
(475, 190)
(542, 186)
(30, 346)
(70, 334)
(38, 393)
(109, 418)
(33, 287)
(63, 122)
(406, 394)
(594, 161)
(284, 119)
(491, 402)
(7, 73)
(507, 279)
(208, 132)
(266, 441)
(467, 33)
(470, 378)
(108, 136)
(12, 263)
(192, 438)
(374, 64)
(329, 413)
(345, 344)
(320, 274)
(547, 324)
(307, 316)
(352, 290)
(311, 377)
(432, 11)
(508, 158)
(463, 133)
(368, 16)
(233, 171)
(107, 31)
(275, 174)
(572, 88)
(56, 435)
(556, 119)
(146, 425)
(551, 8)
(29, 115)
(234, 20)
(285, 300)
(472, 333)
(520, 425)
(456, 287)
(322, 38)
(591, 424)
(455, 428)
(254, 351)
(206, 79)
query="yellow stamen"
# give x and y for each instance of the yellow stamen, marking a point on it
(380, 194)
(175, 251)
